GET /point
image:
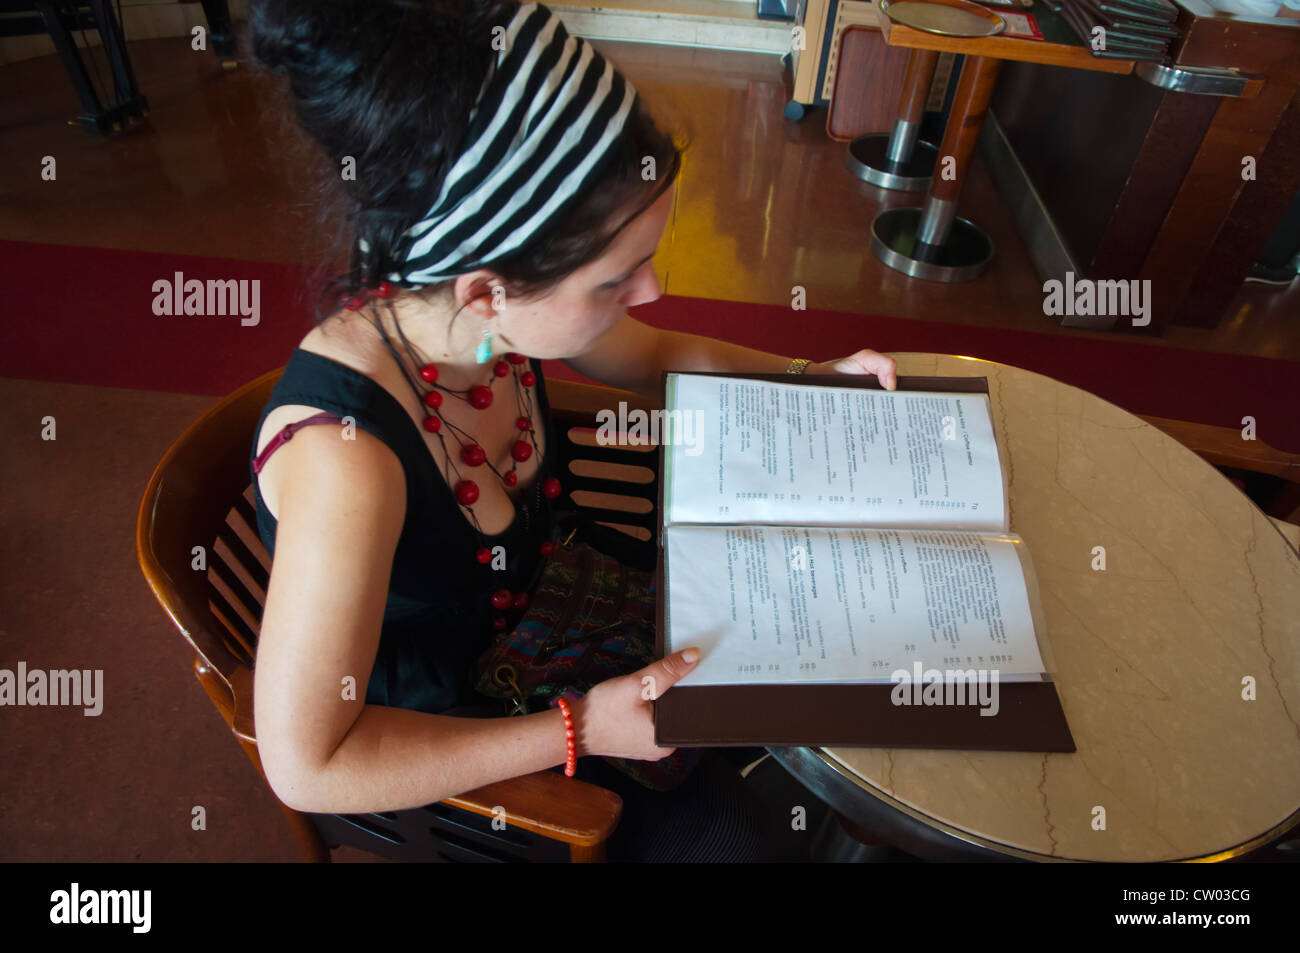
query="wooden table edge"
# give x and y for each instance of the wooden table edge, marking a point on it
(814, 766)
(1003, 48)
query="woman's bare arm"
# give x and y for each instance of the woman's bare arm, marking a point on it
(342, 505)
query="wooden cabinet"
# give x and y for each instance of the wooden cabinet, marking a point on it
(1143, 182)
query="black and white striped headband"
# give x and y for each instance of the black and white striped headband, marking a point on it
(548, 114)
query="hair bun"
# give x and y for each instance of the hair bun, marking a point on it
(297, 35)
(285, 35)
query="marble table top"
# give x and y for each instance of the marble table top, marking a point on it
(1200, 596)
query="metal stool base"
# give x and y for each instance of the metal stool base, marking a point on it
(963, 257)
(868, 159)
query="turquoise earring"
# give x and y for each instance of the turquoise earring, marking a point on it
(483, 353)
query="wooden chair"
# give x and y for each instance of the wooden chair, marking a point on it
(198, 512)
(1270, 477)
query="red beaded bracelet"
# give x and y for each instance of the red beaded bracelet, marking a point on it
(571, 760)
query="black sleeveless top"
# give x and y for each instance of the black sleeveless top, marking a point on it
(438, 617)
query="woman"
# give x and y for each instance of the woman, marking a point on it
(500, 215)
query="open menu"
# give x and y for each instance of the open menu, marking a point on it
(842, 557)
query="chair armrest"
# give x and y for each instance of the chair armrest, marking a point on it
(241, 686)
(549, 804)
(1223, 447)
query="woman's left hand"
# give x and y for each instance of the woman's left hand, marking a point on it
(862, 362)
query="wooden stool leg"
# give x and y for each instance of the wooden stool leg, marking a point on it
(932, 242)
(911, 107)
(899, 161)
(974, 90)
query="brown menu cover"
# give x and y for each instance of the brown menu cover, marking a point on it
(1029, 718)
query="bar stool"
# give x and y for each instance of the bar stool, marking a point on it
(933, 242)
(898, 159)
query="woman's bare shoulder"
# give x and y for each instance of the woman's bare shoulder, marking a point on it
(335, 340)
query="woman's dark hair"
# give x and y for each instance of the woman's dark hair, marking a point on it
(391, 83)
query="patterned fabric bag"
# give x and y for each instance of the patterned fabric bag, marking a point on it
(591, 618)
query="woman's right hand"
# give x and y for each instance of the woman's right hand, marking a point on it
(615, 719)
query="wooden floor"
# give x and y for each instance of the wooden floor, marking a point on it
(764, 204)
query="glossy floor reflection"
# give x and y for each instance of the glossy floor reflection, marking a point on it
(764, 203)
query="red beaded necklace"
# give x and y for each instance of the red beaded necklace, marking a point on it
(472, 454)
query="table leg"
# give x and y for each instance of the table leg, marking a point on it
(898, 160)
(839, 840)
(932, 242)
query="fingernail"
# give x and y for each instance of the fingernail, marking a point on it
(691, 656)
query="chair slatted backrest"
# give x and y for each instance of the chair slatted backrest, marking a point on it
(616, 485)
(196, 537)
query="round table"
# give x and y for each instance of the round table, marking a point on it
(1200, 592)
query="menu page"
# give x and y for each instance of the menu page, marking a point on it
(784, 604)
(767, 452)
